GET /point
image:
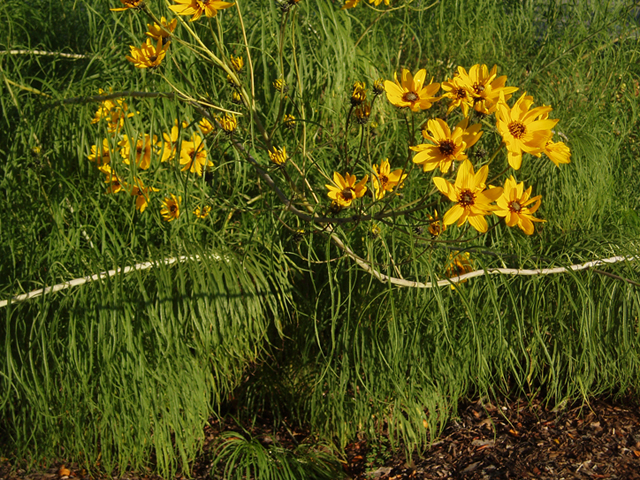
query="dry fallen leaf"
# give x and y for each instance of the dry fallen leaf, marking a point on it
(64, 472)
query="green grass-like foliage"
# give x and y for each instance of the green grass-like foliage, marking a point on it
(123, 373)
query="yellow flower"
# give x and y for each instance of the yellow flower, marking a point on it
(112, 179)
(142, 194)
(202, 212)
(459, 264)
(148, 55)
(198, 7)
(378, 87)
(359, 94)
(354, 3)
(514, 203)
(206, 127)
(346, 190)
(280, 85)
(101, 157)
(411, 92)
(557, 152)
(228, 123)
(236, 62)
(236, 97)
(278, 155)
(384, 180)
(473, 202)
(350, 4)
(113, 111)
(521, 129)
(436, 227)
(194, 156)
(289, 121)
(128, 4)
(447, 146)
(458, 94)
(169, 145)
(170, 208)
(483, 88)
(143, 149)
(163, 31)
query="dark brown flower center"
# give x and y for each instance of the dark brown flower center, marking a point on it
(515, 207)
(384, 179)
(466, 198)
(348, 194)
(478, 88)
(460, 93)
(153, 58)
(517, 129)
(173, 208)
(447, 147)
(410, 97)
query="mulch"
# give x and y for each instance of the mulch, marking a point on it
(507, 440)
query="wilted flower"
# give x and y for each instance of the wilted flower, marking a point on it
(280, 85)
(378, 87)
(459, 264)
(228, 122)
(278, 155)
(289, 121)
(363, 112)
(202, 212)
(205, 126)
(557, 152)
(236, 62)
(359, 94)
(436, 227)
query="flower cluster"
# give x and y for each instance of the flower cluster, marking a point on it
(124, 159)
(522, 127)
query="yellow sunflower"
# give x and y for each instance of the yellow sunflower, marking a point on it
(197, 7)
(472, 199)
(446, 146)
(521, 128)
(557, 152)
(384, 180)
(170, 208)
(515, 206)
(163, 31)
(141, 193)
(411, 91)
(346, 190)
(149, 55)
(193, 155)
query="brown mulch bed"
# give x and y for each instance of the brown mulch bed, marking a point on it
(511, 440)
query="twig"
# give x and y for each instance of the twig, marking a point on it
(42, 52)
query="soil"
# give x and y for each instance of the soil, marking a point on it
(511, 440)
